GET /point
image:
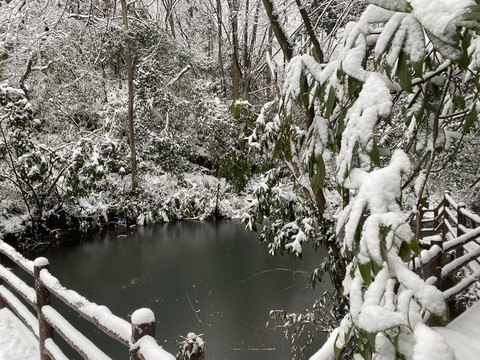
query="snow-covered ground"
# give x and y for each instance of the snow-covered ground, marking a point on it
(463, 334)
(16, 341)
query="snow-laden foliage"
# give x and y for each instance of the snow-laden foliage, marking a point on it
(375, 122)
(67, 160)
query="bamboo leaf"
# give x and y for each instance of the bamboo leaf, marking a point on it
(375, 153)
(414, 246)
(404, 73)
(330, 104)
(317, 172)
(470, 120)
(366, 272)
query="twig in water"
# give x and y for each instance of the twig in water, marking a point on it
(277, 269)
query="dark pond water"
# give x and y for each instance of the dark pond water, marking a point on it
(221, 267)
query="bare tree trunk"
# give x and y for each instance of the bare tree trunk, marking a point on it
(245, 36)
(169, 20)
(311, 34)
(233, 4)
(220, 54)
(131, 130)
(287, 48)
(108, 6)
(282, 38)
(247, 72)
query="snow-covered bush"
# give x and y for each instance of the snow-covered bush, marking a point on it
(379, 118)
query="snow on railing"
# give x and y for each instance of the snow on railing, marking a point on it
(454, 230)
(138, 336)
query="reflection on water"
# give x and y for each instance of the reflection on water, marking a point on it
(213, 270)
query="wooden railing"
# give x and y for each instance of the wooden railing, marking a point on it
(450, 237)
(137, 336)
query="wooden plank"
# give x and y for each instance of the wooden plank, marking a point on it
(449, 199)
(27, 292)
(20, 309)
(16, 257)
(461, 240)
(456, 264)
(469, 215)
(72, 336)
(54, 351)
(463, 285)
(112, 325)
(451, 230)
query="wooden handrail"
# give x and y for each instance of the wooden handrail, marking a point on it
(451, 224)
(137, 336)
(100, 316)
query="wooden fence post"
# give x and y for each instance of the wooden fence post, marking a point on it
(435, 220)
(461, 222)
(43, 298)
(418, 223)
(446, 204)
(2, 302)
(143, 323)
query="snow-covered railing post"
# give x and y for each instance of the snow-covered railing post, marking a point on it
(460, 228)
(446, 206)
(435, 218)
(2, 302)
(418, 223)
(143, 323)
(43, 298)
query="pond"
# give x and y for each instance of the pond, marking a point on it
(214, 270)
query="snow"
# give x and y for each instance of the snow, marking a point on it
(143, 316)
(431, 345)
(439, 17)
(373, 103)
(20, 285)
(54, 350)
(192, 345)
(429, 296)
(375, 318)
(326, 351)
(89, 349)
(40, 262)
(100, 314)
(151, 351)
(15, 256)
(16, 341)
(467, 324)
(20, 309)
(377, 190)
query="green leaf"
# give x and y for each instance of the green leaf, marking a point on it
(465, 59)
(404, 250)
(375, 153)
(459, 101)
(470, 120)
(424, 203)
(317, 172)
(330, 104)
(366, 272)
(473, 15)
(383, 241)
(354, 87)
(414, 246)
(341, 124)
(336, 350)
(404, 73)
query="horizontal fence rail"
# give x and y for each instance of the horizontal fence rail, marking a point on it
(138, 336)
(450, 237)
